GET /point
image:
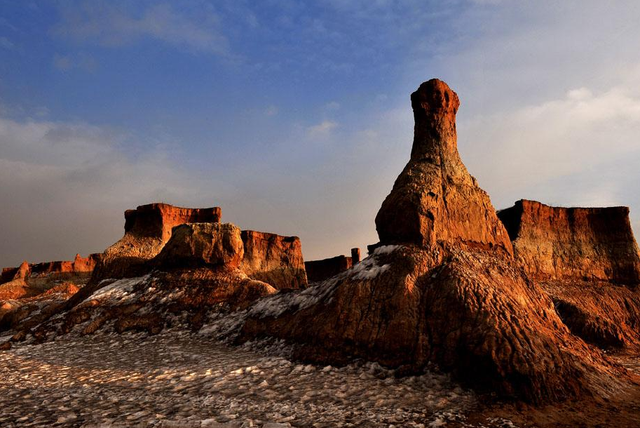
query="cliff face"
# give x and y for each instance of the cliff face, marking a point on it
(587, 260)
(555, 243)
(274, 259)
(147, 230)
(442, 287)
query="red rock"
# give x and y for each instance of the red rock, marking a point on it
(217, 245)
(274, 259)
(577, 255)
(435, 199)
(555, 243)
(355, 256)
(147, 230)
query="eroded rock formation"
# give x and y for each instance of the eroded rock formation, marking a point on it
(587, 260)
(274, 259)
(441, 287)
(555, 243)
(147, 229)
(435, 199)
(204, 268)
(319, 270)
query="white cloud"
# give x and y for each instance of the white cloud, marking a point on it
(66, 185)
(322, 129)
(115, 24)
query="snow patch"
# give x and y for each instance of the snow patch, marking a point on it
(118, 291)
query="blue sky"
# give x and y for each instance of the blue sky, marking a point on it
(294, 116)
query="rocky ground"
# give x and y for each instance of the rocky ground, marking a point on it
(177, 379)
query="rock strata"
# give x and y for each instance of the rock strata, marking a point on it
(555, 243)
(274, 259)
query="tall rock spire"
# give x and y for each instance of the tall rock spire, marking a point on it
(435, 199)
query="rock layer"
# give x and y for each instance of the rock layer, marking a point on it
(435, 198)
(555, 243)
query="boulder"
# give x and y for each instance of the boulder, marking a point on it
(442, 287)
(274, 259)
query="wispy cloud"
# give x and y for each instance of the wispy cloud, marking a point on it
(6, 43)
(324, 128)
(64, 179)
(116, 23)
(69, 62)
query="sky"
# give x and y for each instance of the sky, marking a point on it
(294, 116)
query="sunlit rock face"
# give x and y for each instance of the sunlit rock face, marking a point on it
(555, 243)
(442, 286)
(587, 260)
(147, 229)
(435, 199)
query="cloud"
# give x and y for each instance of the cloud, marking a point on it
(322, 129)
(6, 43)
(79, 61)
(65, 186)
(115, 23)
(543, 144)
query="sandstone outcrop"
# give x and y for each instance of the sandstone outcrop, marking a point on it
(147, 230)
(555, 243)
(203, 269)
(435, 199)
(587, 260)
(441, 287)
(29, 280)
(203, 244)
(274, 259)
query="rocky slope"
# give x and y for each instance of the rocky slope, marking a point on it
(587, 260)
(441, 287)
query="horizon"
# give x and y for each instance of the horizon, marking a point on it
(295, 119)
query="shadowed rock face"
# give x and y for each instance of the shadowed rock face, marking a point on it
(442, 287)
(147, 230)
(573, 243)
(435, 198)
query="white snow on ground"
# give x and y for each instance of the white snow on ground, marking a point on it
(118, 291)
(180, 379)
(277, 304)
